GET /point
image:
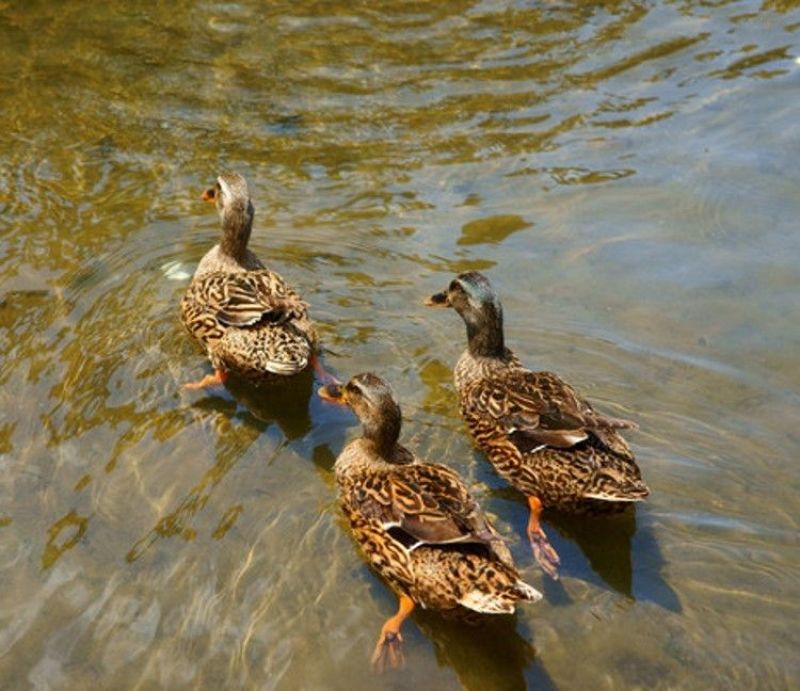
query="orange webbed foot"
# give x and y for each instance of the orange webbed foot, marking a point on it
(219, 377)
(543, 551)
(324, 376)
(388, 651)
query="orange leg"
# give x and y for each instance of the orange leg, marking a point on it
(543, 551)
(219, 377)
(324, 376)
(388, 648)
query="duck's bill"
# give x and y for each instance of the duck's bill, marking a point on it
(333, 393)
(438, 300)
(209, 195)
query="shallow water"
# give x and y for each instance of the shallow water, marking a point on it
(625, 173)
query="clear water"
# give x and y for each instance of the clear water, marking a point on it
(626, 174)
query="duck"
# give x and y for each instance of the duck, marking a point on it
(537, 431)
(244, 315)
(416, 523)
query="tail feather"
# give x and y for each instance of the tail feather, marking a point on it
(528, 592)
(602, 496)
(501, 601)
(488, 603)
(636, 491)
(286, 367)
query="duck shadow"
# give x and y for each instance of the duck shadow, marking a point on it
(488, 653)
(617, 550)
(604, 541)
(620, 550)
(284, 404)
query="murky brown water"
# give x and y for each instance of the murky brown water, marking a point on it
(626, 173)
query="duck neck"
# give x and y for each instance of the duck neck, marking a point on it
(384, 431)
(485, 333)
(237, 224)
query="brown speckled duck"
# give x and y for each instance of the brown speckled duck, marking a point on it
(537, 431)
(248, 320)
(416, 522)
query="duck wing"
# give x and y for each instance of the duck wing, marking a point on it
(425, 504)
(246, 299)
(537, 409)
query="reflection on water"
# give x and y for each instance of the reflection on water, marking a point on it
(622, 171)
(74, 526)
(491, 654)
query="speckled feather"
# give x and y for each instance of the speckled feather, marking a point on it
(423, 532)
(537, 431)
(245, 316)
(250, 323)
(544, 438)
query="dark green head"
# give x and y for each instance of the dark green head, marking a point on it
(472, 296)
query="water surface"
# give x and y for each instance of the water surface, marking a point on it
(625, 173)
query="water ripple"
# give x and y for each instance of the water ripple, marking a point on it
(621, 171)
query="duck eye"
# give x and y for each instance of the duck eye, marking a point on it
(455, 287)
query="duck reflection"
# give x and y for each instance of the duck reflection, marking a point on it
(488, 653)
(605, 541)
(608, 542)
(283, 403)
(600, 548)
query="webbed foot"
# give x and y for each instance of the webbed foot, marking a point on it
(388, 650)
(543, 551)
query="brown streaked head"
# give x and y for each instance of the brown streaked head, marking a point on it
(373, 401)
(473, 297)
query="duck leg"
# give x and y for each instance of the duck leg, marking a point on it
(388, 648)
(324, 376)
(219, 377)
(543, 551)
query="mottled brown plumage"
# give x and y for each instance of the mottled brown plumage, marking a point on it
(416, 522)
(248, 320)
(535, 428)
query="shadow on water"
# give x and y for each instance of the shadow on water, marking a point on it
(489, 654)
(599, 549)
(285, 404)
(606, 543)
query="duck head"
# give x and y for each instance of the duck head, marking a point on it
(372, 400)
(472, 296)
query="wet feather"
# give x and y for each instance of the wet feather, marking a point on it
(246, 318)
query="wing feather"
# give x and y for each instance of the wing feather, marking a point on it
(429, 504)
(538, 409)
